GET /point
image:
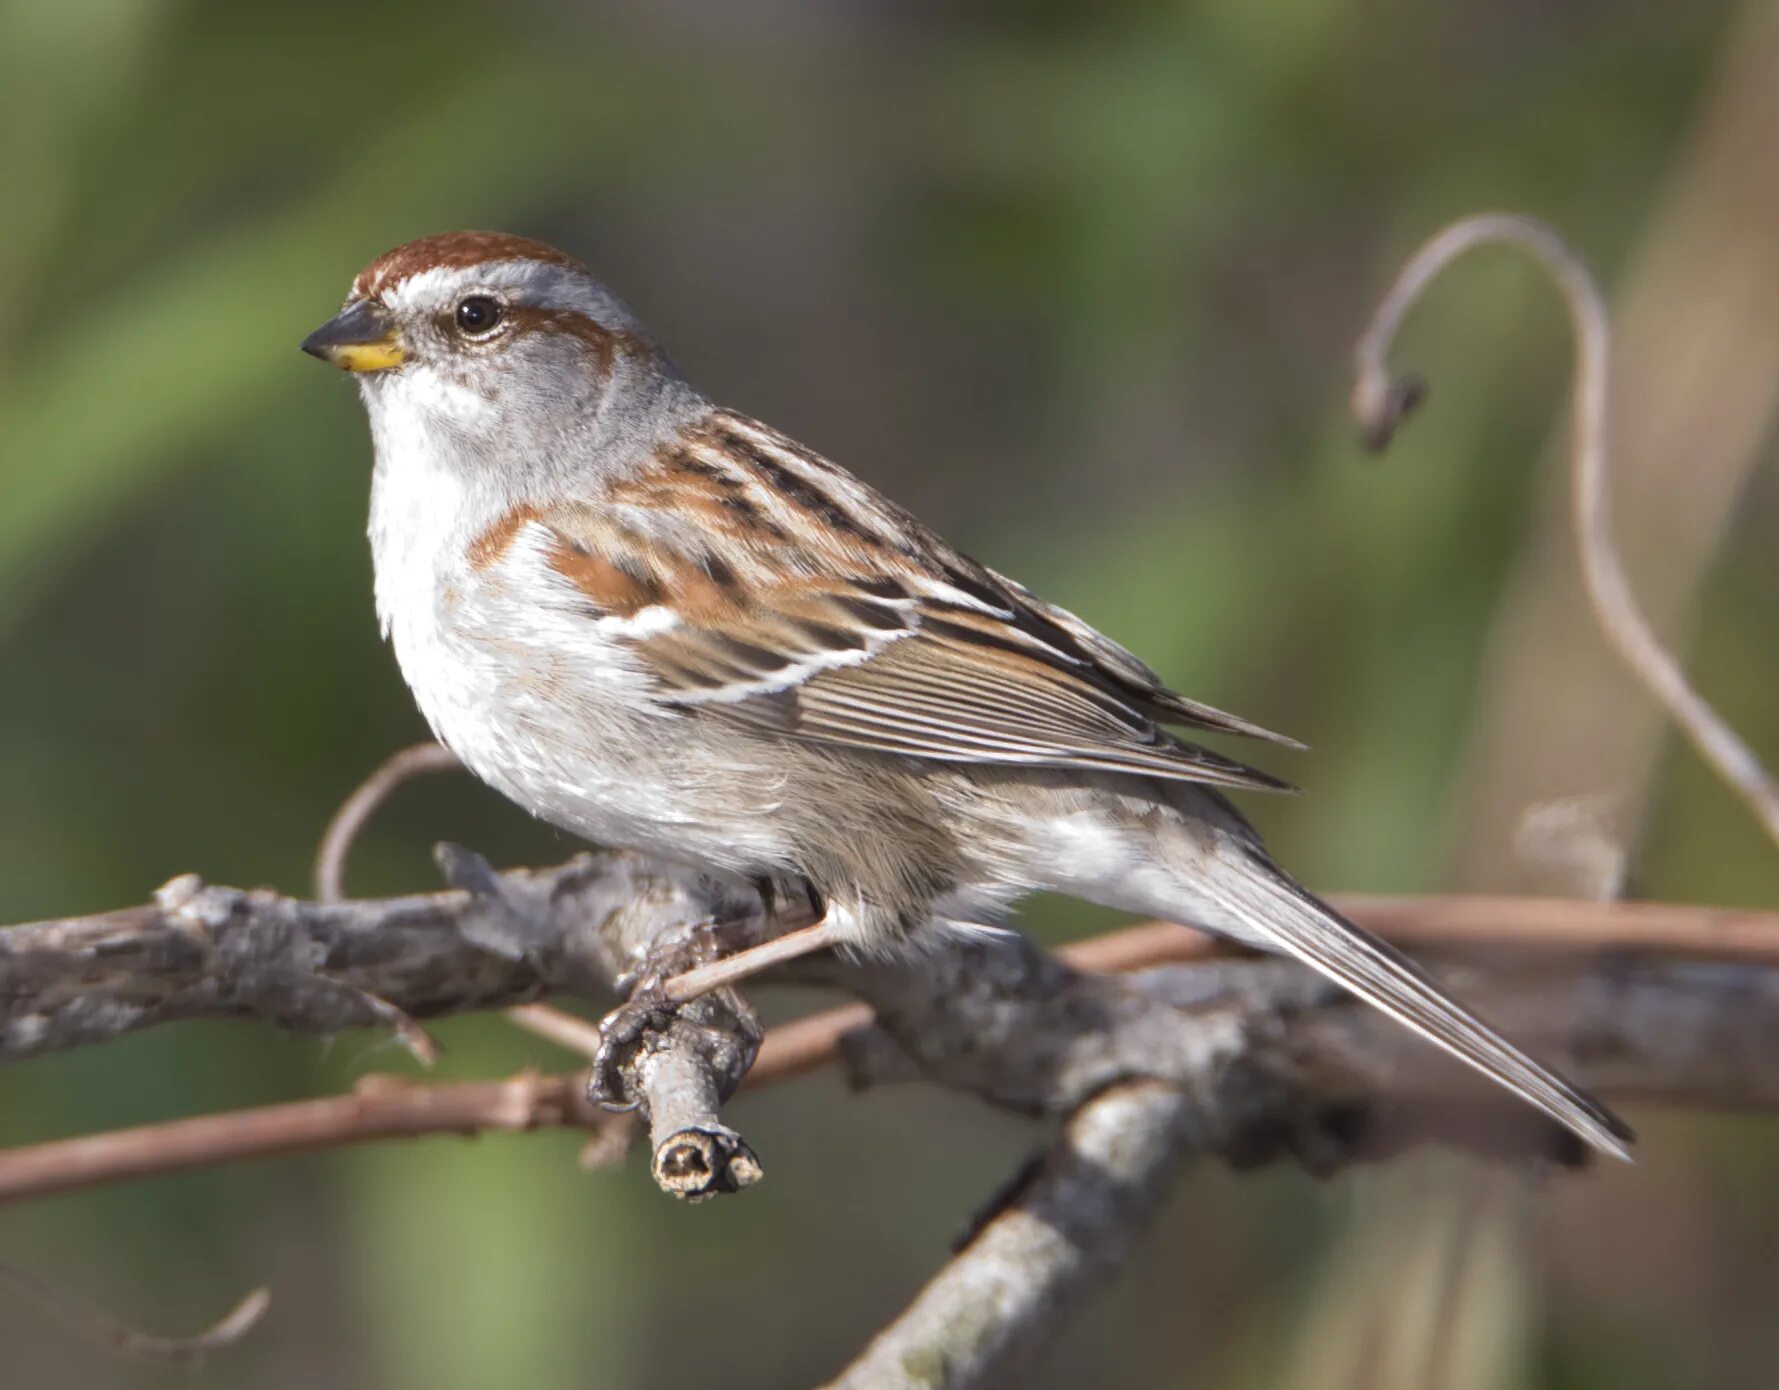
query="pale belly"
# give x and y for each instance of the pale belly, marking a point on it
(578, 747)
(565, 723)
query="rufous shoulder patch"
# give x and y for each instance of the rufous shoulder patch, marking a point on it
(611, 587)
(492, 545)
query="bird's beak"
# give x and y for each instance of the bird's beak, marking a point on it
(360, 338)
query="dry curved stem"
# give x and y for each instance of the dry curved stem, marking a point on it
(1380, 402)
(342, 832)
(100, 1328)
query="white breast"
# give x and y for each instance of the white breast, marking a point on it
(542, 698)
(422, 518)
(512, 673)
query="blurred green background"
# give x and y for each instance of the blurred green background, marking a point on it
(1077, 282)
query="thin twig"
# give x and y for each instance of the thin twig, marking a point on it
(805, 1044)
(1380, 402)
(1437, 921)
(381, 1107)
(568, 1031)
(342, 831)
(99, 1327)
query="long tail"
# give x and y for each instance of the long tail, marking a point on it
(1271, 906)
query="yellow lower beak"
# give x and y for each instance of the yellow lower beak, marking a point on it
(379, 356)
(360, 338)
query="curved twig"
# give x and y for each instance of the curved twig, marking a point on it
(99, 1327)
(1380, 402)
(342, 831)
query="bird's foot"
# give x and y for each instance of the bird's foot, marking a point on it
(647, 1011)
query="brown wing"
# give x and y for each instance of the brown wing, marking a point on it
(786, 595)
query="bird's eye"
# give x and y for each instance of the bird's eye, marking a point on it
(478, 315)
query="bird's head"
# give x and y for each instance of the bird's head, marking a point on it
(480, 347)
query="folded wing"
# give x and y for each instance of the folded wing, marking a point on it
(804, 604)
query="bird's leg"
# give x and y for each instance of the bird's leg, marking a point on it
(730, 970)
(664, 987)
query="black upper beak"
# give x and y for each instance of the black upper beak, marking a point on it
(360, 338)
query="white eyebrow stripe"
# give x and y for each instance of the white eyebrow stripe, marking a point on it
(441, 283)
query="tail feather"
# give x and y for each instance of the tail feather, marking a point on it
(1270, 905)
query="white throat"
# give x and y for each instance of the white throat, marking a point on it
(424, 507)
(424, 512)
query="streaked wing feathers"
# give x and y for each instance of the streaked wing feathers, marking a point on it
(783, 594)
(1168, 706)
(921, 700)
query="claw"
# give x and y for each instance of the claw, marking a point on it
(646, 1010)
(650, 1007)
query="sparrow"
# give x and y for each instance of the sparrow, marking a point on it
(662, 625)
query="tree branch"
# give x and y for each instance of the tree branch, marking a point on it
(577, 929)
(1058, 1237)
(1249, 1059)
(580, 929)
(1252, 1059)
(1647, 1000)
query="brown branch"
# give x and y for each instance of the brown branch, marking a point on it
(1275, 1051)
(1453, 921)
(806, 1044)
(1257, 1057)
(676, 1065)
(1380, 403)
(381, 1107)
(384, 1107)
(1003, 1020)
(568, 1031)
(695, 1155)
(203, 951)
(1247, 1058)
